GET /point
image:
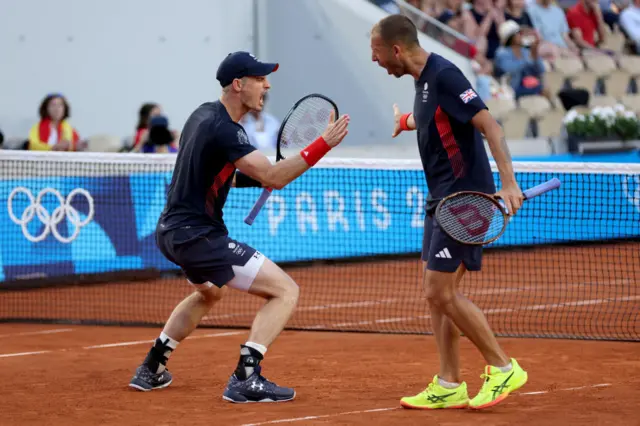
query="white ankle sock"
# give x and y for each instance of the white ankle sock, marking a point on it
(168, 341)
(447, 385)
(258, 347)
(167, 345)
(506, 368)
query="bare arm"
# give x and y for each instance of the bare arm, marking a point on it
(240, 180)
(572, 46)
(510, 192)
(576, 36)
(602, 32)
(487, 125)
(485, 25)
(257, 166)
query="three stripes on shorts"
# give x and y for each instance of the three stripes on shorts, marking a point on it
(444, 254)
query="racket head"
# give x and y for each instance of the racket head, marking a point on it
(472, 218)
(305, 122)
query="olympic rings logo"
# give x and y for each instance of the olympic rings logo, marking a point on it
(50, 220)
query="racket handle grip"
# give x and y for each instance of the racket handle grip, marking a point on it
(542, 188)
(266, 193)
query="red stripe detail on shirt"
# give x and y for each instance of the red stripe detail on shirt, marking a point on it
(218, 182)
(449, 142)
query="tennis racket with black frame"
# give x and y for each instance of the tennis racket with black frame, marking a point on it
(476, 218)
(304, 123)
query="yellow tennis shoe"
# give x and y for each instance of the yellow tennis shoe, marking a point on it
(436, 396)
(498, 385)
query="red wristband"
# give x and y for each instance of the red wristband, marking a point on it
(315, 151)
(403, 122)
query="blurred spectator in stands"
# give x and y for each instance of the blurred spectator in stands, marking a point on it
(585, 21)
(489, 16)
(630, 23)
(482, 67)
(53, 132)
(160, 139)
(464, 22)
(454, 20)
(145, 114)
(551, 23)
(261, 128)
(429, 7)
(388, 5)
(515, 11)
(611, 11)
(1, 139)
(522, 63)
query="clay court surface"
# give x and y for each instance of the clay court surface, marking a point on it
(341, 378)
(68, 374)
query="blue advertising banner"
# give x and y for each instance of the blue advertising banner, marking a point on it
(56, 226)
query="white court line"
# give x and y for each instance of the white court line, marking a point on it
(486, 312)
(23, 354)
(368, 303)
(119, 344)
(142, 342)
(35, 333)
(601, 385)
(365, 303)
(324, 416)
(376, 410)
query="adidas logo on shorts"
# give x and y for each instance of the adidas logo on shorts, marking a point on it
(444, 254)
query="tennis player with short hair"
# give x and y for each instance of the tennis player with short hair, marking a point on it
(192, 234)
(449, 117)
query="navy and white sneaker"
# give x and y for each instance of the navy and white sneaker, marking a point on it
(255, 389)
(144, 380)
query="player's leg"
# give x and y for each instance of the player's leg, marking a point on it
(188, 314)
(446, 389)
(188, 248)
(263, 278)
(447, 337)
(281, 294)
(153, 373)
(503, 374)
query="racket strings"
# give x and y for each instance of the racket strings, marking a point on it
(471, 218)
(306, 123)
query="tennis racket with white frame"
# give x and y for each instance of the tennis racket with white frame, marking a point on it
(303, 124)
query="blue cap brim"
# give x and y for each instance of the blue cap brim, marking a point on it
(263, 69)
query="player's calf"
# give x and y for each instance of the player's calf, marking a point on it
(247, 384)
(153, 373)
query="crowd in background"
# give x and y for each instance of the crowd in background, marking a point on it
(516, 37)
(53, 130)
(512, 38)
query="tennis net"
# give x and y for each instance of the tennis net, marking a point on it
(78, 246)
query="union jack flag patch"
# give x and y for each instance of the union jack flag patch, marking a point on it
(468, 95)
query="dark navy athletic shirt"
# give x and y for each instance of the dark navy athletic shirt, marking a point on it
(451, 148)
(210, 143)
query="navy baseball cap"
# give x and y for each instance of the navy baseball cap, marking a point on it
(242, 64)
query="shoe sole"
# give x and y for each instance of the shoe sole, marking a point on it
(267, 400)
(143, 389)
(501, 397)
(415, 407)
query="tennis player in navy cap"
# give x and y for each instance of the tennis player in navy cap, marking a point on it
(192, 234)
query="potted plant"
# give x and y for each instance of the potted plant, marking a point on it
(601, 124)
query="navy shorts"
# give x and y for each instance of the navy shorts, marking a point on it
(444, 254)
(208, 258)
